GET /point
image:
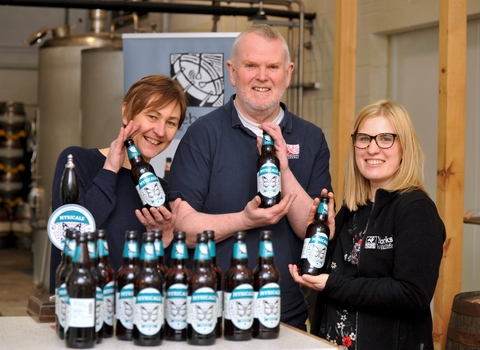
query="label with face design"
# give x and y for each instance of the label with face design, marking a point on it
(268, 180)
(150, 190)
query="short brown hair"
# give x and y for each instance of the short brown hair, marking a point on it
(161, 88)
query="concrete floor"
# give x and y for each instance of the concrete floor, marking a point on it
(16, 281)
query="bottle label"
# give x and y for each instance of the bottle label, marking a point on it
(315, 249)
(61, 304)
(72, 245)
(149, 311)
(108, 303)
(176, 306)
(179, 251)
(268, 180)
(150, 190)
(267, 305)
(266, 249)
(267, 140)
(92, 252)
(125, 306)
(323, 208)
(212, 249)
(240, 250)
(98, 309)
(239, 306)
(102, 247)
(159, 248)
(219, 303)
(202, 252)
(82, 312)
(148, 252)
(201, 310)
(130, 250)
(133, 152)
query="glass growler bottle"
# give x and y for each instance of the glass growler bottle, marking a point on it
(160, 252)
(269, 184)
(148, 186)
(202, 298)
(69, 185)
(61, 274)
(80, 327)
(238, 306)
(212, 247)
(316, 241)
(266, 286)
(124, 292)
(176, 290)
(108, 275)
(99, 283)
(148, 296)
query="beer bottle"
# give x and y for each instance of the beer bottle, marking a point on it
(61, 274)
(218, 274)
(176, 280)
(168, 163)
(202, 298)
(108, 275)
(316, 241)
(266, 286)
(69, 185)
(148, 186)
(148, 295)
(268, 174)
(239, 293)
(99, 284)
(80, 327)
(160, 252)
(124, 292)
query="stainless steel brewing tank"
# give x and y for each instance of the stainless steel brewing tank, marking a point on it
(59, 121)
(101, 95)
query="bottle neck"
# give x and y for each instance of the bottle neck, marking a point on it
(268, 149)
(148, 257)
(180, 263)
(130, 253)
(239, 262)
(81, 257)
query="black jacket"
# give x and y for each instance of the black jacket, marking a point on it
(398, 271)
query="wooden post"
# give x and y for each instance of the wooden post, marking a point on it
(344, 79)
(451, 157)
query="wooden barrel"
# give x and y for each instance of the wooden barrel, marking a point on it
(464, 327)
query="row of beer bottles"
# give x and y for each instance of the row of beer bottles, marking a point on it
(192, 301)
(84, 289)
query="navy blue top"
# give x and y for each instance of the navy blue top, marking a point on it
(111, 198)
(214, 170)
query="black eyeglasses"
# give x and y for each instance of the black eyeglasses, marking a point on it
(384, 140)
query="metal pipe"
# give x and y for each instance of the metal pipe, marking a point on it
(135, 6)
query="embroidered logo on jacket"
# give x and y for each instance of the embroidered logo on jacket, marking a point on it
(376, 242)
(293, 151)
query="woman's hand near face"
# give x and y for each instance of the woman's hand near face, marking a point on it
(312, 282)
(116, 154)
(161, 219)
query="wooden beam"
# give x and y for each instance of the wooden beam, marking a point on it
(344, 79)
(451, 157)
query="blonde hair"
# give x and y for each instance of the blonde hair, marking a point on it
(409, 175)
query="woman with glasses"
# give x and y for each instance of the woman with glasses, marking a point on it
(386, 242)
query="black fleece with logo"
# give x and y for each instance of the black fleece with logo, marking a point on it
(398, 269)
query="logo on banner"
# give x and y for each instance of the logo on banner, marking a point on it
(201, 77)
